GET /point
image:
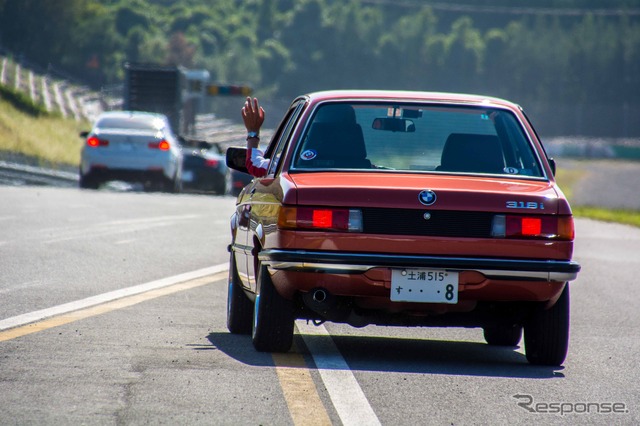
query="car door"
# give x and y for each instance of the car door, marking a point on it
(263, 194)
(239, 244)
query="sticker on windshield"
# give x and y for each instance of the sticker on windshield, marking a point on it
(308, 154)
(511, 170)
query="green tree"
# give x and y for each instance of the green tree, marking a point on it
(40, 28)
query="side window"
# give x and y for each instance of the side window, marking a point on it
(282, 139)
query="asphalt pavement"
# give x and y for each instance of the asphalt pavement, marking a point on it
(165, 356)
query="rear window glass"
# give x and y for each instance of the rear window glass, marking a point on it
(417, 138)
(135, 123)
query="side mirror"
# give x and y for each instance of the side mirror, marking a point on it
(84, 134)
(392, 124)
(236, 159)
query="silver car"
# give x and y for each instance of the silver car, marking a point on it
(131, 146)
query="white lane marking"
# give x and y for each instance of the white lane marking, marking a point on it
(30, 317)
(348, 398)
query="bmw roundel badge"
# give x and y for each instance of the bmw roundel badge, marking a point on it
(427, 197)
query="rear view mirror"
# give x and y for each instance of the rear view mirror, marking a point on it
(392, 124)
(236, 159)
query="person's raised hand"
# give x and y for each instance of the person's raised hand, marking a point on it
(252, 115)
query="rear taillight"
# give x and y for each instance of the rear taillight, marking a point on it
(95, 142)
(211, 163)
(163, 145)
(320, 218)
(541, 227)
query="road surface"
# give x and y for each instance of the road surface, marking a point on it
(113, 312)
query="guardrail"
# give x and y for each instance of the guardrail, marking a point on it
(21, 174)
(69, 99)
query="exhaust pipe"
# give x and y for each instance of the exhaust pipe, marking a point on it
(319, 295)
(332, 308)
(319, 300)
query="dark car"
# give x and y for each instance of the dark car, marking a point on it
(405, 209)
(238, 181)
(203, 167)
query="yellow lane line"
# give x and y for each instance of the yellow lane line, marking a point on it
(299, 390)
(106, 307)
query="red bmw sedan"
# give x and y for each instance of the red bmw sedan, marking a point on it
(406, 209)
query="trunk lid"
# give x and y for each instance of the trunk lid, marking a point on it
(452, 193)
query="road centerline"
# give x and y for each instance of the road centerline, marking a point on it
(301, 394)
(23, 320)
(103, 308)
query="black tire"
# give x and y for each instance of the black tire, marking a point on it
(88, 182)
(173, 186)
(239, 307)
(546, 333)
(220, 188)
(178, 187)
(223, 185)
(503, 335)
(273, 318)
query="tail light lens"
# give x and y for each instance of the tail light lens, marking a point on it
(320, 219)
(163, 145)
(211, 163)
(95, 142)
(538, 227)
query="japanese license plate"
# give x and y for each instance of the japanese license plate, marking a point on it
(424, 285)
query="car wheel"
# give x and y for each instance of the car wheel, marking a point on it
(273, 318)
(173, 186)
(546, 333)
(88, 182)
(239, 307)
(220, 188)
(503, 335)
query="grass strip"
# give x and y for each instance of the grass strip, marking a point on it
(627, 217)
(50, 138)
(567, 178)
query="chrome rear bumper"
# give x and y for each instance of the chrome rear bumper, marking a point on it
(351, 263)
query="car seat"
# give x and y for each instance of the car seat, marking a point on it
(334, 145)
(472, 153)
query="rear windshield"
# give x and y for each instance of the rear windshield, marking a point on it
(417, 138)
(132, 122)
